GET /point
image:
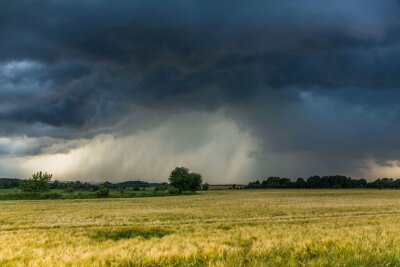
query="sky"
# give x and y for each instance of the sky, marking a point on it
(101, 90)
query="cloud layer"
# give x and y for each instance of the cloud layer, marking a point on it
(300, 87)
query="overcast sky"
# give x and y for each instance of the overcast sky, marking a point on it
(236, 90)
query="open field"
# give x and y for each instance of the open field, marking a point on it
(215, 228)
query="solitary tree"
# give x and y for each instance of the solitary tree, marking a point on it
(183, 180)
(179, 178)
(38, 183)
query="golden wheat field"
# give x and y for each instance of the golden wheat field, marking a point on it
(215, 228)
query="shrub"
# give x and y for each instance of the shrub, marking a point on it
(30, 195)
(205, 186)
(173, 190)
(69, 189)
(103, 191)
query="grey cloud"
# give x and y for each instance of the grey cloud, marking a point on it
(304, 77)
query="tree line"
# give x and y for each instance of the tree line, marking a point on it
(6, 183)
(324, 182)
(181, 180)
(9, 183)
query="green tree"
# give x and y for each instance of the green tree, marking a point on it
(300, 183)
(103, 191)
(179, 178)
(195, 181)
(183, 180)
(38, 183)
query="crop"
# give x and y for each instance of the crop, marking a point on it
(213, 228)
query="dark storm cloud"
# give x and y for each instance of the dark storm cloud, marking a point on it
(302, 75)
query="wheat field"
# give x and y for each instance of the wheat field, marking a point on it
(215, 228)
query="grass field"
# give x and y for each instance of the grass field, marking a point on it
(215, 228)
